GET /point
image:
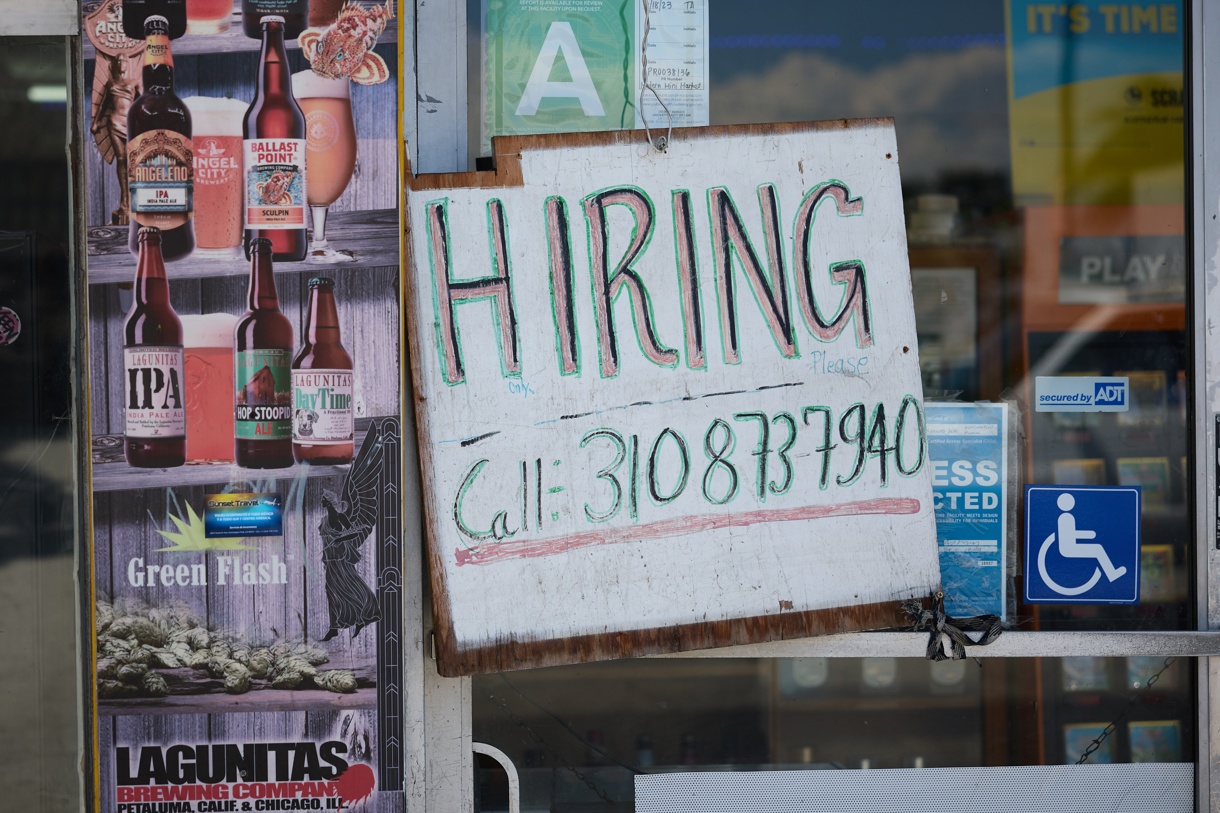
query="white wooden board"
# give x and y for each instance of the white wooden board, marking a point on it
(668, 401)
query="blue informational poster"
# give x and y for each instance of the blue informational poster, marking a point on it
(968, 450)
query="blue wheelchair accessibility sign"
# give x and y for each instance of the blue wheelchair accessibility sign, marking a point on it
(1082, 545)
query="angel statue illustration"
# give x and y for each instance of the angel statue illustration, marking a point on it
(345, 527)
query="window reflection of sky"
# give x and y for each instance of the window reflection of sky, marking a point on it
(938, 68)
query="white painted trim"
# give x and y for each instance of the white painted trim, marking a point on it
(28, 18)
(1011, 644)
(514, 781)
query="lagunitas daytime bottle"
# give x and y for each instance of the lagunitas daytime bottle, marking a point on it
(273, 152)
(323, 426)
(262, 372)
(160, 157)
(154, 434)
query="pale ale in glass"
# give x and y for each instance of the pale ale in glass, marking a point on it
(208, 341)
(218, 174)
(330, 152)
(208, 16)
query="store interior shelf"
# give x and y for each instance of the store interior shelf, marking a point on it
(234, 41)
(371, 237)
(111, 472)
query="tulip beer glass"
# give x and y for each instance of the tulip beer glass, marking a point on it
(330, 153)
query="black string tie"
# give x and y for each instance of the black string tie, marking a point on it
(943, 627)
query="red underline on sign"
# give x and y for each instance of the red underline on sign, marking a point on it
(491, 553)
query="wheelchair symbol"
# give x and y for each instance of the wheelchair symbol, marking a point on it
(1070, 548)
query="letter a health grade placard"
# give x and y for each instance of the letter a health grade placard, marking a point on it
(637, 430)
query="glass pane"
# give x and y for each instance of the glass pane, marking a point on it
(1043, 179)
(39, 671)
(580, 734)
(1042, 161)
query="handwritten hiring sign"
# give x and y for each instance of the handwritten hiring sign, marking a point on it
(668, 400)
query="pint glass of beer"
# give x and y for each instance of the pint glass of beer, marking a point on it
(330, 153)
(208, 367)
(208, 16)
(218, 175)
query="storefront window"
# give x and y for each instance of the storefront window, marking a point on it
(1042, 166)
(39, 672)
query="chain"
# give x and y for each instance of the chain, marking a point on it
(662, 143)
(502, 704)
(1113, 726)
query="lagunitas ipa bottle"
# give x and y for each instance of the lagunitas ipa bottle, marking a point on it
(323, 426)
(273, 153)
(262, 372)
(160, 157)
(154, 434)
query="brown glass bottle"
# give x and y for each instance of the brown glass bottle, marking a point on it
(154, 434)
(262, 359)
(273, 153)
(323, 423)
(160, 157)
(294, 12)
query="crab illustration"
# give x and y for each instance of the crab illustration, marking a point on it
(345, 47)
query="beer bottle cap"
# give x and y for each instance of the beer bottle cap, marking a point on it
(316, 282)
(156, 24)
(148, 231)
(260, 242)
(270, 18)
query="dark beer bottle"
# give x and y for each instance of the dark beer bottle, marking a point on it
(273, 153)
(294, 12)
(262, 359)
(323, 426)
(135, 12)
(160, 158)
(154, 434)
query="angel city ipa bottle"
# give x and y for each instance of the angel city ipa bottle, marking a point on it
(293, 12)
(160, 158)
(273, 153)
(154, 434)
(262, 358)
(323, 427)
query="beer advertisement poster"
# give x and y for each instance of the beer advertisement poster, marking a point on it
(245, 569)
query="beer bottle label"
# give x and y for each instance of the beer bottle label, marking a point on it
(275, 182)
(263, 404)
(153, 404)
(161, 177)
(322, 406)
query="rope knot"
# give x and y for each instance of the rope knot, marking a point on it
(944, 629)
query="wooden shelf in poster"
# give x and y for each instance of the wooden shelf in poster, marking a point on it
(1045, 229)
(111, 472)
(234, 41)
(372, 236)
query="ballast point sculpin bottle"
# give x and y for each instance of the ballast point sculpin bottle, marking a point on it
(323, 425)
(154, 434)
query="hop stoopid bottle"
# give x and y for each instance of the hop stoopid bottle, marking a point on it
(160, 158)
(273, 153)
(154, 434)
(323, 428)
(262, 355)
